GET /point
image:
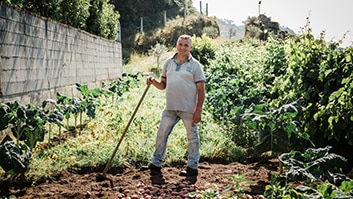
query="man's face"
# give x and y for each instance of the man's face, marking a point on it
(184, 47)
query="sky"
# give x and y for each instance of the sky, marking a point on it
(335, 17)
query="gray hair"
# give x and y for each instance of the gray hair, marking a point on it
(187, 37)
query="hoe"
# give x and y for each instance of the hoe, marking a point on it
(103, 175)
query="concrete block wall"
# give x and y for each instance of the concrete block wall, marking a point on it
(39, 57)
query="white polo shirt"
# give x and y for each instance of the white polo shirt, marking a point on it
(181, 81)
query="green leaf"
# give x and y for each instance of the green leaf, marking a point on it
(309, 192)
(347, 186)
(332, 120)
(11, 157)
(328, 72)
(312, 164)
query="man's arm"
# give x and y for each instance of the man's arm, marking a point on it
(200, 86)
(161, 85)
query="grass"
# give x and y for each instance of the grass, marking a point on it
(94, 143)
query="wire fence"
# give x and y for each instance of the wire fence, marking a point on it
(159, 19)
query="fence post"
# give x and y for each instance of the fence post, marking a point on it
(207, 9)
(201, 7)
(118, 35)
(1, 95)
(185, 9)
(141, 24)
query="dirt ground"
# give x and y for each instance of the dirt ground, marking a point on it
(132, 183)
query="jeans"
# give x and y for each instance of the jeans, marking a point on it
(168, 121)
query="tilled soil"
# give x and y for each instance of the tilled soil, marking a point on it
(132, 183)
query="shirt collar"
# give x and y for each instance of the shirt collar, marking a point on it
(188, 60)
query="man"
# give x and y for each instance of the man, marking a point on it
(184, 81)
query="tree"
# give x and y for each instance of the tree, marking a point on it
(157, 50)
(210, 31)
(75, 12)
(103, 19)
(231, 33)
(98, 17)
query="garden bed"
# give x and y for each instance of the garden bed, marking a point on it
(130, 182)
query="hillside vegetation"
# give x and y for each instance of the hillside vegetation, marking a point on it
(289, 98)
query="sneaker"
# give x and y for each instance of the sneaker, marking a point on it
(189, 172)
(151, 167)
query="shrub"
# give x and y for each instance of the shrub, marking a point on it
(204, 49)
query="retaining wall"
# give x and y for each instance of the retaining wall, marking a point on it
(40, 57)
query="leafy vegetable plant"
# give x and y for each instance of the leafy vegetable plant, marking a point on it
(319, 172)
(278, 129)
(237, 183)
(14, 157)
(313, 164)
(26, 122)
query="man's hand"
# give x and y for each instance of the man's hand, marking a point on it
(196, 117)
(150, 80)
